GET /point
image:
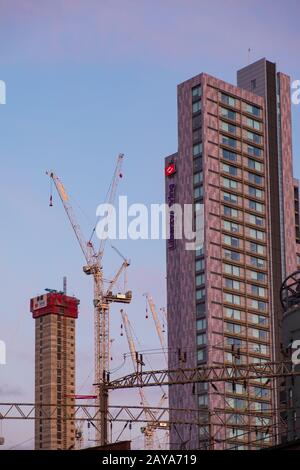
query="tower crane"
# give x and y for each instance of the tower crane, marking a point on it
(102, 297)
(160, 334)
(149, 429)
(157, 325)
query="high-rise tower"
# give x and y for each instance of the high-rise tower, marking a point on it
(234, 157)
(55, 315)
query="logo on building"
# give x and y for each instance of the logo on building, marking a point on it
(170, 169)
(171, 202)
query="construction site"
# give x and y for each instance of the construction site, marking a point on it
(66, 419)
(150, 236)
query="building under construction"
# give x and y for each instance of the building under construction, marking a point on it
(55, 315)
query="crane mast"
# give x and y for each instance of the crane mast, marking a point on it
(149, 429)
(102, 299)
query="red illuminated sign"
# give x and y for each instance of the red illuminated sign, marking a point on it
(170, 169)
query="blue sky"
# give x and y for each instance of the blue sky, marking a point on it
(86, 80)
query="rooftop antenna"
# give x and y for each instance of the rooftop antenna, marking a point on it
(249, 54)
(65, 285)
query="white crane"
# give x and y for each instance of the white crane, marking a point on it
(158, 327)
(102, 297)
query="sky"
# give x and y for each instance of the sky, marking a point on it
(86, 80)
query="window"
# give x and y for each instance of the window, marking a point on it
(230, 184)
(202, 400)
(230, 212)
(257, 139)
(261, 392)
(229, 155)
(233, 299)
(255, 220)
(263, 436)
(259, 319)
(260, 263)
(254, 165)
(234, 342)
(231, 241)
(258, 305)
(258, 234)
(198, 192)
(197, 150)
(200, 265)
(233, 314)
(256, 206)
(197, 135)
(198, 177)
(253, 84)
(233, 328)
(200, 279)
(228, 127)
(256, 248)
(230, 198)
(200, 309)
(201, 355)
(229, 357)
(257, 276)
(233, 270)
(259, 291)
(253, 109)
(197, 122)
(232, 170)
(253, 123)
(196, 91)
(201, 324)
(237, 403)
(229, 141)
(197, 106)
(235, 388)
(231, 284)
(256, 179)
(261, 407)
(255, 347)
(200, 294)
(228, 113)
(228, 100)
(255, 192)
(232, 255)
(197, 164)
(231, 226)
(236, 419)
(262, 421)
(201, 339)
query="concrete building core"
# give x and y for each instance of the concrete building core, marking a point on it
(55, 317)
